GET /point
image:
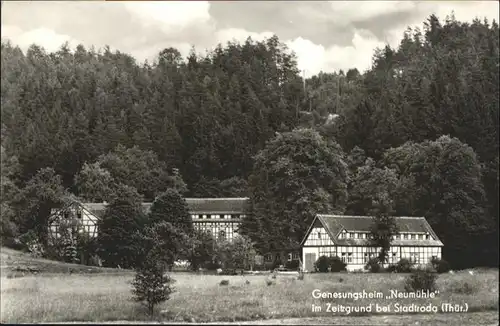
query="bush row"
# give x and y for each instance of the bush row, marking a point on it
(326, 264)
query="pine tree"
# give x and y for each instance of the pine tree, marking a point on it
(151, 285)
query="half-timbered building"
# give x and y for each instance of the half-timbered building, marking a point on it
(348, 237)
(220, 216)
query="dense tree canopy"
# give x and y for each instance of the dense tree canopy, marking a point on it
(448, 191)
(172, 208)
(70, 116)
(123, 218)
(297, 175)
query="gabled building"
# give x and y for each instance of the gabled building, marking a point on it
(220, 216)
(348, 237)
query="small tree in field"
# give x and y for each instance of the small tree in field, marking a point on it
(152, 285)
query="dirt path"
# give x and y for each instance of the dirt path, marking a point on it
(476, 319)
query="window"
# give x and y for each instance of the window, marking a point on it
(327, 251)
(343, 257)
(349, 257)
(295, 256)
(414, 258)
(351, 235)
(405, 236)
(434, 257)
(79, 214)
(319, 235)
(268, 257)
(364, 235)
(221, 216)
(427, 237)
(289, 257)
(235, 216)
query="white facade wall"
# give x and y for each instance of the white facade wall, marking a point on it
(356, 257)
(319, 243)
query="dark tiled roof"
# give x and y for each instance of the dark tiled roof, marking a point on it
(196, 205)
(217, 205)
(336, 223)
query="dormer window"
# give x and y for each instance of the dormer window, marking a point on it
(405, 236)
(351, 235)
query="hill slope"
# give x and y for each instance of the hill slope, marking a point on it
(13, 262)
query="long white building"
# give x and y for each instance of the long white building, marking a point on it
(348, 237)
(220, 216)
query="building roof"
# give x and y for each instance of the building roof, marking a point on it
(217, 205)
(334, 224)
(196, 206)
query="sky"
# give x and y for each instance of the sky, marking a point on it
(325, 35)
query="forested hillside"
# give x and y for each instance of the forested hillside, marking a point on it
(65, 114)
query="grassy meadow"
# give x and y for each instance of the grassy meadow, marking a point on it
(200, 298)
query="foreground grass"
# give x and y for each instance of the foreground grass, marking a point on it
(488, 318)
(199, 298)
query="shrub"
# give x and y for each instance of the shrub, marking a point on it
(463, 288)
(276, 264)
(229, 271)
(373, 266)
(293, 265)
(337, 265)
(32, 244)
(421, 279)
(224, 282)
(151, 285)
(236, 254)
(404, 266)
(325, 264)
(321, 265)
(391, 268)
(212, 265)
(440, 265)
